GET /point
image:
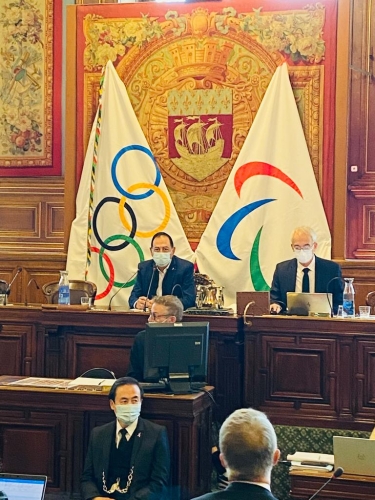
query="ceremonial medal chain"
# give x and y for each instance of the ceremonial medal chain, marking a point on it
(116, 486)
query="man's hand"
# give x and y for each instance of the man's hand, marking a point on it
(142, 303)
(275, 308)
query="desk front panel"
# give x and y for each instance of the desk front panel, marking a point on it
(311, 371)
(46, 431)
(67, 343)
(347, 487)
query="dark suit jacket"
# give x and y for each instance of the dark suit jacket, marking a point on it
(136, 362)
(239, 491)
(284, 280)
(179, 278)
(150, 458)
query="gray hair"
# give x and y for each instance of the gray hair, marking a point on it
(172, 304)
(305, 230)
(248, 443)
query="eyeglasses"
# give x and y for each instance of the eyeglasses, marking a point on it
(298, 248)
(155, 316)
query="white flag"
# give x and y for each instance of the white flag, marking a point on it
(270, 191)
(122, 200)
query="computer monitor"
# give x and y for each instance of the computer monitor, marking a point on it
(176, 353)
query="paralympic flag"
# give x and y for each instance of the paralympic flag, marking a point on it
(122, 200)
(270, 191)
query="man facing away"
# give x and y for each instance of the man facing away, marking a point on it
(321, 273)
(165, 309)
(248, 447)
(164, 274)
(128, 458)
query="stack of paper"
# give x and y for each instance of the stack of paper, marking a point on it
(311, 461)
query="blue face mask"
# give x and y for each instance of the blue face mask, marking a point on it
(127, 414)
(162, 259)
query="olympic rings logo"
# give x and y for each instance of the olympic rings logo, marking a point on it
(128, 219)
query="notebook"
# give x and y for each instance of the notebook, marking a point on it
(303, 304)
(354, 455)
(22, 487)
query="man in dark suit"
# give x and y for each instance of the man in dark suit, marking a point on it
(128, 458)
(320, 273)
(164, 274)
(164, 309)
(248, 452)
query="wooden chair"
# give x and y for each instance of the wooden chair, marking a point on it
(78, 289)
(370, 301)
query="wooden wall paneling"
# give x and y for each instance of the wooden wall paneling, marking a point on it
(32, 216)
(363, 273)
(360, 229)
(346, 376)
(89, 350)
(364, 353)
(45, 432)
(70, 167)
(53, 345)
(17, 349)
(300, 371)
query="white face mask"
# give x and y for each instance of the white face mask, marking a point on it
(304, 256)
(126, 414)
(162, 259)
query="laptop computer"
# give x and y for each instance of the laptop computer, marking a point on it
(354, 455)
(303, 304)
(22, 487)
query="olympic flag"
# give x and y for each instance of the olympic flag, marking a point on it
(270, 191)
(122, 200)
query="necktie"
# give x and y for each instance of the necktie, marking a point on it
(123, 439)
(306, 281)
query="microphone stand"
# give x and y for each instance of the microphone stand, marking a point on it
(149, 287)
(337, 473)
(27, 289)
(14, 277)
(121, 287)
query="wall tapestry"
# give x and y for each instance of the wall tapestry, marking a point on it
(30, 81)
(196, 75)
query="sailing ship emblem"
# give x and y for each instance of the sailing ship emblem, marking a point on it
(199, 144)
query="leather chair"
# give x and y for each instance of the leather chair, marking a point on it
(98, 373)
(370, 301)
(78, 289)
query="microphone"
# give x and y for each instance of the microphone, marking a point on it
(327, 290)
(19, 270)
(27, 289)
(337, 473)
(117, 291)
(249, 304)
(175, 286)
(149, 286)
(284, 462)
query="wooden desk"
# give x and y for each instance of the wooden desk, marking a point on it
(46, 431)
(56, 343)
(314, 372)
(303, 484)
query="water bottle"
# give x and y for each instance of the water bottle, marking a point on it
(348, 302)
(64, 292)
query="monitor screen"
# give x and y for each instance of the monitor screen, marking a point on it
(176, 350)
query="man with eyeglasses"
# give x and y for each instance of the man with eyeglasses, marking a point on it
(164, 274)
(164, 309)
(305, 273)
